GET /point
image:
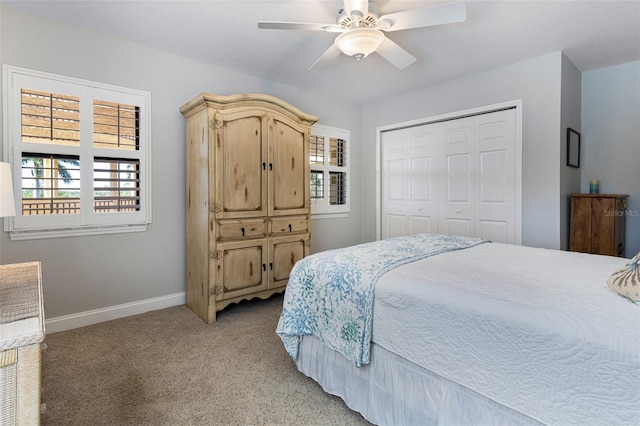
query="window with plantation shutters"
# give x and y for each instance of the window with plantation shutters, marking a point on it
(80, 155)
(329, 161)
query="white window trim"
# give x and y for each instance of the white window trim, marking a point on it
(321, 209)
(38, 227)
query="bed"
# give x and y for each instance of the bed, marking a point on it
(456, 331)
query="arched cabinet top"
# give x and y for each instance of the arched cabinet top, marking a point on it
(252, 100)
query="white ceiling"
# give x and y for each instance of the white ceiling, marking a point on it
(593, 34)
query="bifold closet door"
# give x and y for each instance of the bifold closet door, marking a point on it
(455, 177)
(409, 181)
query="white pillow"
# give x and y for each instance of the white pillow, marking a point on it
(626, 280)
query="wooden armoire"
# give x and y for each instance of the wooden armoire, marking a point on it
(247, 200)
(598, 223)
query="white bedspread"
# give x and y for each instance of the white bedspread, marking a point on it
(552, 342)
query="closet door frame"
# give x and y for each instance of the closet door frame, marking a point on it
(517, 104)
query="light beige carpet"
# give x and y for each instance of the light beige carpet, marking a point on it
(167, 367)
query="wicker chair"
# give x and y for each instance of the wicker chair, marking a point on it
(21, 335)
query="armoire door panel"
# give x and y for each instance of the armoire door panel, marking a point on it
(289, 162)
(284, 252)
(240, 268)
(239, 174)
(242, 164)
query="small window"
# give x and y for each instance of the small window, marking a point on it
(116, 185)
(329, 159)
(50, 184)
(80, 155)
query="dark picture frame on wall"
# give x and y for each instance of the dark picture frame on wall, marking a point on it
(573, 148)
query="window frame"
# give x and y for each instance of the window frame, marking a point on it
(87, 222)
(320, 208)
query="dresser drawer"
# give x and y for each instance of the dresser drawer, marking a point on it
(290, 225)
(240, 229)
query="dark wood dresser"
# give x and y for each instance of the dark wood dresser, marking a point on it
(597, 223)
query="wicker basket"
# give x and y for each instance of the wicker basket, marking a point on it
(21, 333)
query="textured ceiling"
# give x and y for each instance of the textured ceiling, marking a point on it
(593, 34)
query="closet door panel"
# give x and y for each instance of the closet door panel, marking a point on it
(456, 202)
(410, 190)
(492, 230)
(495, 176)
(394, 225)
(458, 227)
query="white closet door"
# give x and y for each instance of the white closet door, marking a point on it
(456, 177)
(456, 204)
(495, 177)
(409, 189)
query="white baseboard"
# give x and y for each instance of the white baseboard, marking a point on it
(81, 319)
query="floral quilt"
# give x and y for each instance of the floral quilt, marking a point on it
(330, 294)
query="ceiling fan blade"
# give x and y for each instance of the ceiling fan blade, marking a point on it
(329, 55)
(395, 54)
(309, 26)
(361, 6)
(433, 15)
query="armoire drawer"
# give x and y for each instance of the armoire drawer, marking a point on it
(289, 225)
(240, 229)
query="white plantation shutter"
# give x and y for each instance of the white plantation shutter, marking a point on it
(80, 152)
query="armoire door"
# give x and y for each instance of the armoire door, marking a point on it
(455, 177)
(239, 268)
(239, 164)
(284, 252)
(288, 168)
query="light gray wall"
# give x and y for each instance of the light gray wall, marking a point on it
(611, 138)
(86, 273)
(537, 83)
(570, 117)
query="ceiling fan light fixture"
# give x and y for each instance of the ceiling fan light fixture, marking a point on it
(359, 42)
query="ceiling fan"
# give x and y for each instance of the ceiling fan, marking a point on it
(362, 29)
